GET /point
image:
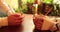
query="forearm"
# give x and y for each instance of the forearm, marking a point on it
(3, 21)
(5, 8)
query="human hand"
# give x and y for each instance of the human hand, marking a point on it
(15, 19)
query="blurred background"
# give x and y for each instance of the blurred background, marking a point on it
(27, 6)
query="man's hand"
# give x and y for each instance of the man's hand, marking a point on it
(15, 19)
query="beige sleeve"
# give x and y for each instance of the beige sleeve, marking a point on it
(3, 21)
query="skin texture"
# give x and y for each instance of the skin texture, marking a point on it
(15, 19)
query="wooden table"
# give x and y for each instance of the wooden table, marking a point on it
(15, 29)
(11, 29)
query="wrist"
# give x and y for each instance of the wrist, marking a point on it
(3, 21)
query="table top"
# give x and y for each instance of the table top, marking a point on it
(11, 29)
(16, 29)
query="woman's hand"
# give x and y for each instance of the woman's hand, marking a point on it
(38, 21)
(15, 19)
